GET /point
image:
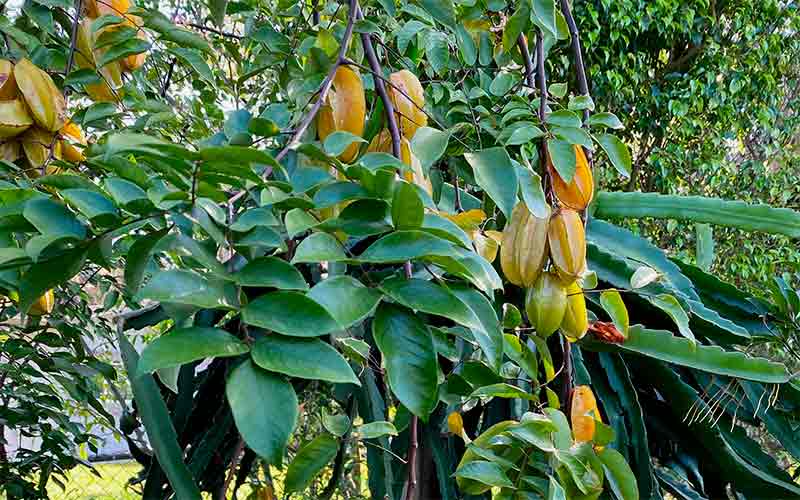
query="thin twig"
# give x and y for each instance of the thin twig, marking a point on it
(326, 83)
(237, 455)
(526, 59)
(214, 30)
(541, 78)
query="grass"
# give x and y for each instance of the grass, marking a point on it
(82, 484)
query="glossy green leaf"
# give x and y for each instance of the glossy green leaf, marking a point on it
(290, 313)
(428, 297)
(271, 272)
(409, 357)
(670, 305)
(501, 390)
(264, 406)
(184, 345)
(178, 286)
(617, 152)
(428, 145)
(496, 175)
(407, 209)
(484, 472)
(373, 430)
(337, 142)
(302, 358)
(562, 154)
(319, 247)
(619, 474)
(52, 218)
(48, 274)
(612, 303)
(310, 460)
(401, 246)
(346, 299)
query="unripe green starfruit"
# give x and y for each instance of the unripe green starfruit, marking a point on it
(567, 240)
(576, 322)
(523, 249)
(546, 303)
(45, 101)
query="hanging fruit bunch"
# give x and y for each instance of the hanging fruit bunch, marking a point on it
(33, 123)
(89, 53)
(547, 255)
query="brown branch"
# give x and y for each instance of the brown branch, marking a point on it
(526, 59)
(237, 455)
(380, 88)
(541, 78)
(577, 53)
(214, 31)
(326, 83)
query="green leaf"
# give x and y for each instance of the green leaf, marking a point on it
(93, 205)
(670, 305)
(441, 10)
(612, 303)
(158, 424)
(409, 357)
(127, 48)
(264, 407)
(490, 337)
(401, 246)
(218, 8)
(564, 118)
(338, 425)
(466, 45)
(520, 353)
(48, 274)
(303, 358)
(437, 49)
(495, 174)
(428, 145)
(178, 286)
(290, 313)
(195, 59)
(501, 390)
(298, 221)
(554, 490)
(502, 83)
(581, 102)
(516, 25)
(619, 474)
(271, 272)
(617, 152)
(310, 460)
(139, 256)
(407, 209)
(609, 120)
(178, 347)
(428, 297)
(319, 247)
(337, 192)
(52, 218)
(544, 13)
(239, 155)
(663, 345)
(562, 153)
(346, 299)
(337, 142)
(716, 211)
(484, 472)
(532, 193)
(128, 195)
(160, 23)
(374, 430)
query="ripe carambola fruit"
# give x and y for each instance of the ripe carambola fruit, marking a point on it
(36, 145)
(583, 414)
(134, 61)
(578, 193)
(408, 99)
(576, 322)
(523, 251)
(44, 99)
(545, 303)
(43, 305)
(344, 109)
(73, 132)
(97, 8)
(8, 85)
(14, 118)
(86, 57)
(567, 244)
(382, 143)
(455, 424)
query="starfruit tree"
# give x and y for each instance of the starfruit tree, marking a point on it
(367, 246)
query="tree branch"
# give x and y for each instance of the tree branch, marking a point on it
(380, 88)
(541, 78)
(526, 59)
(326, 83)
(577, 52)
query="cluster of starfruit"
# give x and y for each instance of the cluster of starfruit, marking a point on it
(547, 255)
(33, 121)
(345, 108)
(92, 45)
